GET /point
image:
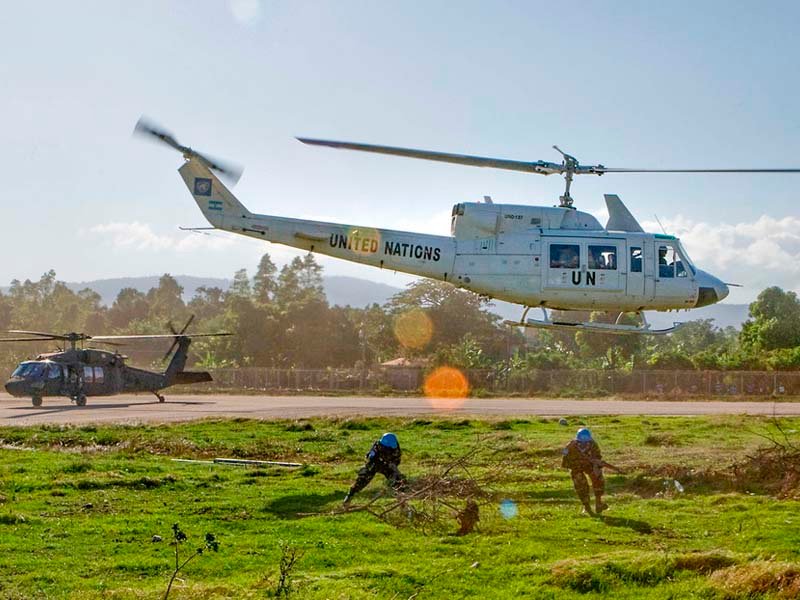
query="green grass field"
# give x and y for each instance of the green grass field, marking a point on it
(79, 507)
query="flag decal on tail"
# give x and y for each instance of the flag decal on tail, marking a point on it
(215, 205)
(202, 187)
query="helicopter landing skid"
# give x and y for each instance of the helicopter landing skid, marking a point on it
(613, 328)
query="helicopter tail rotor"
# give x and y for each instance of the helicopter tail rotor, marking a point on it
(178, 335)
(228, 171)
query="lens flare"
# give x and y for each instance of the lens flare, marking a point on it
(446, 388)
(508, 509)
(363, 240)
(413, 329)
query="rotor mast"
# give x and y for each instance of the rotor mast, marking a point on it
(569, 165)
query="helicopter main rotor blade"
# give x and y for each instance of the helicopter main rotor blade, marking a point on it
(156, 336)
(36, 339)
(147, 128)
(54, 336)
(541, 167)
(602, 170)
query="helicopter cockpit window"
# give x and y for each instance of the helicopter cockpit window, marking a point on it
(564, 256)
(53, 371)
(29, 370)
(670, 263)
(88, 375)
(98, 375)
(636, 260)
(603, 257)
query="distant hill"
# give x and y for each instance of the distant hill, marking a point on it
(358, 293)
(109, 288)
(340, 290)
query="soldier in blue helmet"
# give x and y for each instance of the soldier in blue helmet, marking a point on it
(582, 457)
(384, 458)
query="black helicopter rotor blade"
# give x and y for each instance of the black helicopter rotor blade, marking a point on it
(157, 336)
(188, 322)
(178, 335)
(148, 128)
(54, 336)
(36, 339)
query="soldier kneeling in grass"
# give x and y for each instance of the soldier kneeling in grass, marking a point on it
(384, 458)
(582, 457)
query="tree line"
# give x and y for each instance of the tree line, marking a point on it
(281, 318)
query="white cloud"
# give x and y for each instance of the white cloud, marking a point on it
(246, 12)
(756, 254)
(141, 237)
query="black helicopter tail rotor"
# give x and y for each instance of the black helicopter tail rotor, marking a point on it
(178, 335)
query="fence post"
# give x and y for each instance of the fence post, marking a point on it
(644, 382)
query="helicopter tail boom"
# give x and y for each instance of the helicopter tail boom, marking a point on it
(418, 254)
(178, 362)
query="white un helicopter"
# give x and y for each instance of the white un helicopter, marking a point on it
(537, 256)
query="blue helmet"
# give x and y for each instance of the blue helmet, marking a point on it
(584, 435)
(389, 440)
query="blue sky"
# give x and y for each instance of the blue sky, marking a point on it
(681, 84)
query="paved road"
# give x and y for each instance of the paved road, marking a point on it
(127, 409)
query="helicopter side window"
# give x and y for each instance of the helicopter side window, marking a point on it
(564, 256)
(99, 376)
(54, 371)
(603, 257)
(636, 260)
(88, 375)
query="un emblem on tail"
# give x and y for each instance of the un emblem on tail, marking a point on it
(202, 186)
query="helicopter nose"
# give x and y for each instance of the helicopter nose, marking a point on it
(14, 387)
(712, 290)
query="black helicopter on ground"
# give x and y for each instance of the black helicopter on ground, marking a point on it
(78, 372)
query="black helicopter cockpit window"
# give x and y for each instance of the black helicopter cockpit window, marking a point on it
(603, 257)
(54, 371)
(29, 370)
(565, 256)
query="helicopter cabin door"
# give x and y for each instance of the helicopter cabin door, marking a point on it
(673, 284)
(605, 268)
(564, 262)
(636, 268)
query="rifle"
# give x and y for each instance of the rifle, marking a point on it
(608, 465)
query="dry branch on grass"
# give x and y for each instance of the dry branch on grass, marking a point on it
(451, 491)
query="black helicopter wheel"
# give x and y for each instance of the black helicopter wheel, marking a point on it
(36, 400)
(80, 400)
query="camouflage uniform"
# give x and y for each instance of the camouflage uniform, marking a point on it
(383, 460)
(582, 459)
